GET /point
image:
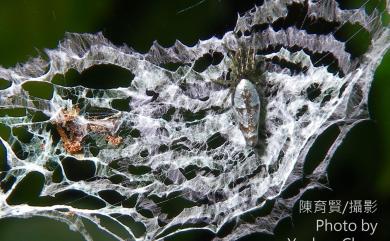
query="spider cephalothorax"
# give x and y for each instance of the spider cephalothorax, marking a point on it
(244, 83)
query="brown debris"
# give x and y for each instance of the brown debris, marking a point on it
(72, 132)
(114, 140)
(97, 128)
(71, 146)
(70, 115)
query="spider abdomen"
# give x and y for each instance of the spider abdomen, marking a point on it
(246, 104)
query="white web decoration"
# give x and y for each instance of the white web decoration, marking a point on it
(178, 139)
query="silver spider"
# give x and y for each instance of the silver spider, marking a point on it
(246, 94)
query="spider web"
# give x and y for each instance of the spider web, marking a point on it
(177, 140)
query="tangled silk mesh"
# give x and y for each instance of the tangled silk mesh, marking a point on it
(179, 131)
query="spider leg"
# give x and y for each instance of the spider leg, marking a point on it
(248, 59)
(231, 90)
(253, 58)
(242, 61)
(222, 81)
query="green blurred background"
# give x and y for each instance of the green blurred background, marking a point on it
(361, 169)
(27, 27)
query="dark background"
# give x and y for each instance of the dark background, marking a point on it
(359, 170)
(27, 27)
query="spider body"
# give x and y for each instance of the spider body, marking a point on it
(246, 104)
(245, 92)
